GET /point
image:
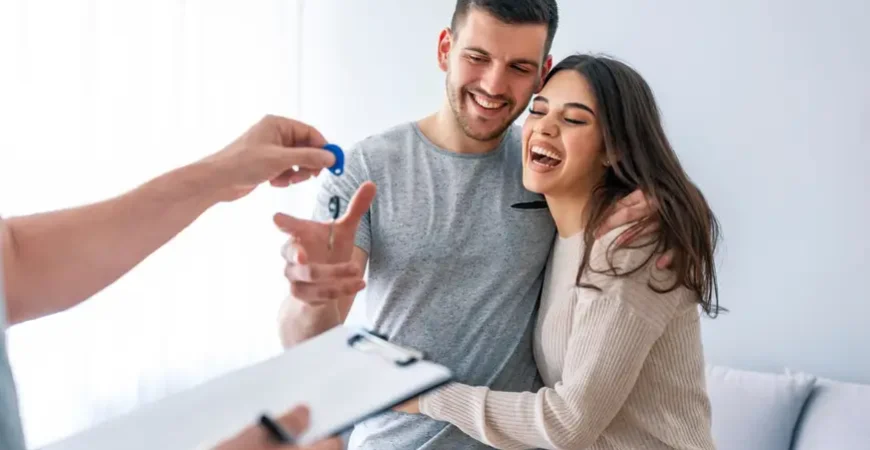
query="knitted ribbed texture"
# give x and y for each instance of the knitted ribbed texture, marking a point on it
(624, 368)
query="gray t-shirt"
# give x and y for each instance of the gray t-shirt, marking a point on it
(454, 269)
(11, 435)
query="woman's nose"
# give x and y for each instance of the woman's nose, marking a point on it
(547, 126)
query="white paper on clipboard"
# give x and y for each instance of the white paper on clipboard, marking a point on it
(343, 376)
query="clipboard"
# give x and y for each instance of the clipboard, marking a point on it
(344, 376)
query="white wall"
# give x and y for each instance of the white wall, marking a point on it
(762, 99)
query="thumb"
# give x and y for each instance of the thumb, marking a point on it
(295, 421)
(307, 157)
(359, 204)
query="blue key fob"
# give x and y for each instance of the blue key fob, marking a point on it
(338, 167)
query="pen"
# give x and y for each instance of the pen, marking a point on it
(276, 431)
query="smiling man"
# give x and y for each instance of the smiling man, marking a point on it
(454, 270)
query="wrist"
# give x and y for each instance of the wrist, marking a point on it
(205, 181)
(299, 321)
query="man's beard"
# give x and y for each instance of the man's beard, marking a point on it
(457, 97)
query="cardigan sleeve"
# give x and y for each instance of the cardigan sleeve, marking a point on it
(609, 342)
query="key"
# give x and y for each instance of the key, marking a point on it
(334, 203)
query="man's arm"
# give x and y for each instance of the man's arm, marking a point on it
(316, 303)
(299, 320)
(53, 261)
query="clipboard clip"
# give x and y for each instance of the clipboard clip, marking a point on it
(366, 341)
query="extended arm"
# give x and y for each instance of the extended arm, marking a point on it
(53, 261)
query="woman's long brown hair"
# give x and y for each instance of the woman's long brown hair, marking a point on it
(642, 158)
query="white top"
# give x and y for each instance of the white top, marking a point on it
(623, 367)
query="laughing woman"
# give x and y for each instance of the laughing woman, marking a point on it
(617, 341)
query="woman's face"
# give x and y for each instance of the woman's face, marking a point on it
(563, 148)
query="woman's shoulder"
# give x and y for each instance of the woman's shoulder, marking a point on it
(608, 252)
(628, 272)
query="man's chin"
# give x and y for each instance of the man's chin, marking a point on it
(481, 133)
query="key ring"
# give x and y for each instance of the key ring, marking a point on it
(334, 208)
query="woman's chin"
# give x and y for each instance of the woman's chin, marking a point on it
(532, 182)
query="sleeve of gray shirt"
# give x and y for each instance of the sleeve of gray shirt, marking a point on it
(11, 434)
(345, 186)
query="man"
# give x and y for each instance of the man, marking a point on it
(455, 269)
(53, 261)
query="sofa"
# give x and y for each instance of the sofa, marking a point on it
(787, 411)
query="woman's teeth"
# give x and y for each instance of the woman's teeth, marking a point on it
(545, 157)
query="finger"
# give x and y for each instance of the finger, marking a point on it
(631, 199)
(293, 177)
(302, 229)
(297, 134)
(622, 216)
(303, 175)
(295, 421)
(307, 157)
(293, 253)
(318, 294)
(329, 444)
(631, 235)
(359, 204)
(617, 217)
(664, 261)
(312, 273)
(301, 256)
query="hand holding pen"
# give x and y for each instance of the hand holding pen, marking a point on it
(277, 434)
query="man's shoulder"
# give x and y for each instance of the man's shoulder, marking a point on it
(514, 138)
(387, 139)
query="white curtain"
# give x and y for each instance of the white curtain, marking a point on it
(98, 96)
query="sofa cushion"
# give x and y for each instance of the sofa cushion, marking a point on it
(755, 410)
(836, 416)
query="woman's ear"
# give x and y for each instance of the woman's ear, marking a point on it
(609, 157)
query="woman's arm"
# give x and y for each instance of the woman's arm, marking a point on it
(611, 337)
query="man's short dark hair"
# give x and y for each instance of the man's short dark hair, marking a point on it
(513, 12)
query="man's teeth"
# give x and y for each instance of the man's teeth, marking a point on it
(544, 152)
(486, 103)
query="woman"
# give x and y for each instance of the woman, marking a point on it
(617, 341)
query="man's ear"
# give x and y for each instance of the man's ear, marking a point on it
(545, 69)
(445, 43)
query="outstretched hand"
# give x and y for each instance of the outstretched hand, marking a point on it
(317, 274)
(632, 208)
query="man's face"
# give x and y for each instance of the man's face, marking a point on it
(493, 68)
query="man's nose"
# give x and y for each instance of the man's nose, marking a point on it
(494, 81)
